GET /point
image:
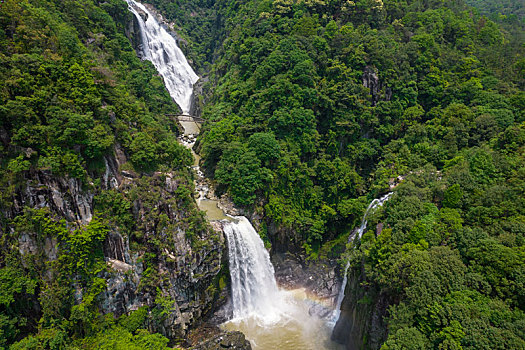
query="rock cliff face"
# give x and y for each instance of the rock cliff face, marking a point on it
(378, 91)
(183, 253)
(319, 278)
(64, 196)
(199, 97)
(134, 35)
(361, 324)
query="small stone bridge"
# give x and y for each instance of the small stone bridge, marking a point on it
(187, 118)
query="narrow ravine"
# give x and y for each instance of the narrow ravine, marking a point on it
(270, 317)
(159, 47)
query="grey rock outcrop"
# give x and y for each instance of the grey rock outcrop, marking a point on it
(198, 99)
(317, 278)
(359, 321)
(185, 272)
(181, 268)
(378, 91)
(65, 196)
(133, 34)
(228, 340)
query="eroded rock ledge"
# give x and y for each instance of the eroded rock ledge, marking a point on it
(225, 340)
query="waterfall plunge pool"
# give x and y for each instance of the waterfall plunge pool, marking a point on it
(271, 318)
(291, 328)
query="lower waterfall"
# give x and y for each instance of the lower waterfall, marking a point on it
(270, 318)
(254, 289)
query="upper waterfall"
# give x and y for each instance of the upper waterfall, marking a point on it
(161, 49)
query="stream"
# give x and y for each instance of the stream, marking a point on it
(270, 317)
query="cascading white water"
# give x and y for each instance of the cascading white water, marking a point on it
(270, 318)
(254, 289)
(161, 49)
(378, 202)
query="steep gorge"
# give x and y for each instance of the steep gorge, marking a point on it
(316, 107)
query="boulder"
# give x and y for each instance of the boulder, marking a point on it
(227, 340)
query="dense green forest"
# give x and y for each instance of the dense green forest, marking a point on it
(502, 9)
(315, 104)
(316, 107)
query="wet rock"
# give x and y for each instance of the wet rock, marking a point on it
(228, 340)
(133, 34)
(320, 311)
(198, 98)
(141, 13)
(358, 321)
(319, 279)
(226, 204)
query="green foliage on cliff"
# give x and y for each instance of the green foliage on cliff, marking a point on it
(74, 96)
(62, 322)
(315, 107)
(339, 90)
(500, 9)
(452, 257)
(74, 88)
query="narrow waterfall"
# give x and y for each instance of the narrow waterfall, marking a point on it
(378, 202)
(254, 289)
(161, 49)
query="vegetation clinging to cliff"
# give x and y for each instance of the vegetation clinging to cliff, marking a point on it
(335, 88)
(75, 97)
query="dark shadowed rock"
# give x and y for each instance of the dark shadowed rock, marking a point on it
(371, 81)
(359, 320)
(319, 278)
(228, 340)
(186, 271)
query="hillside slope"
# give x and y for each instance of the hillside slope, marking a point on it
(101, 240)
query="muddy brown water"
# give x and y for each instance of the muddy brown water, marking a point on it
(295, 328)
